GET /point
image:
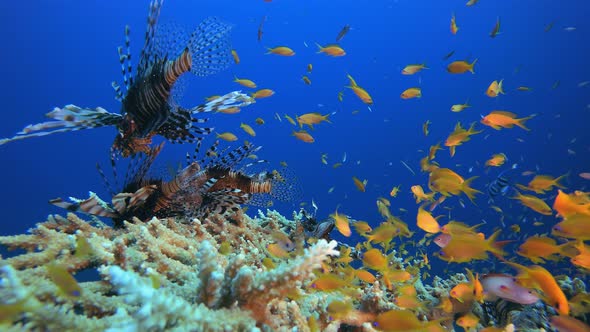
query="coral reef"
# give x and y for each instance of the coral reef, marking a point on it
(164, 274)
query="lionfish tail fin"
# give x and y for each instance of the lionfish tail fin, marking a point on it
(69, 118)
(210, 47)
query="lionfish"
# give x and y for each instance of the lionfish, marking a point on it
(212, 185)
(148, 105)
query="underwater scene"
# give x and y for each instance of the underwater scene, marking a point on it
(281, 165)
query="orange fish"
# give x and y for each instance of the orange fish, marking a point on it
(329, 282)
(235, 56)
(467, 247)
(413, 69)
(568, 324)
(576, 226)
(281, 50)
(65, 282)
(534, 203)
(447, 182)
(342, 223)
(495, 89)
(542, 183)
(374, 259)
(311, 119)
(419, 194)
(383, 233)
(461, 67)
(538, 248)
(411, 93)
(365, 276)
(454, 27)
(360, 185)
(503, 119)
(496, 160)
(303, 135)
(468, 321)
(359, 92)
(537, 277)
(567, 205)
(427, 222)
(460, 136)
(331, 50)
(263, 93)
(245, 82)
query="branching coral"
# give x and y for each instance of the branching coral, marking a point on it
(160, 275)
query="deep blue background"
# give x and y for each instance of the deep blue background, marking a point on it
(60, 52)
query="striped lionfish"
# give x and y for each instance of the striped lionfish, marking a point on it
(148, 108)
(210, 186)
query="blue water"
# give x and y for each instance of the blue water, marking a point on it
(61, 52)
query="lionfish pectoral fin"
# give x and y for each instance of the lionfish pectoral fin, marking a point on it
(222, 201)
(229, 100)
(68, 118)
(92, 205)
(123, 202)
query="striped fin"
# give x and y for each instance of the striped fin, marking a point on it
(118, 92)
(229, 100)
(123, 202)
(69, 118)
(222, 201)
(93, 205)
(146, 57)
(210, 45)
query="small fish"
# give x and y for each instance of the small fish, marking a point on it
(309, 67)
(549, 26)
(248, 129)
(229, 110)
(413, 69)
(260, 28)
(583, 84)
(68, 286)
(340, 95)
(454, 27)
(306, 80)
(235, 56)
(460, 107)
(585, 175)
(496, 29)
(449, 55)
(344, 158)
(460, 67)
(262, 93)
(471, 3)
(342, 223)
(303, 136)
(245, 82)
(342, 32)
(394, 191)
(290, 119)
(280, 50)
(331, 50)
(569, 29)
(426, 127)
(259, 121)
(411, 93)
(495, 89)
(227, 136)
(524, 88)
(360, 185)
(556, 84)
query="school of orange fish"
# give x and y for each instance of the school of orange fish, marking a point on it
(457, 242)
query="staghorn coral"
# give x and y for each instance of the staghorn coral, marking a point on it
(164, 274)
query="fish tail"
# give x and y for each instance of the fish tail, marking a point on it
(467, 190)
(210, 47)
(520, 122)
(496, 247)
(556, 181)
(472, 65)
